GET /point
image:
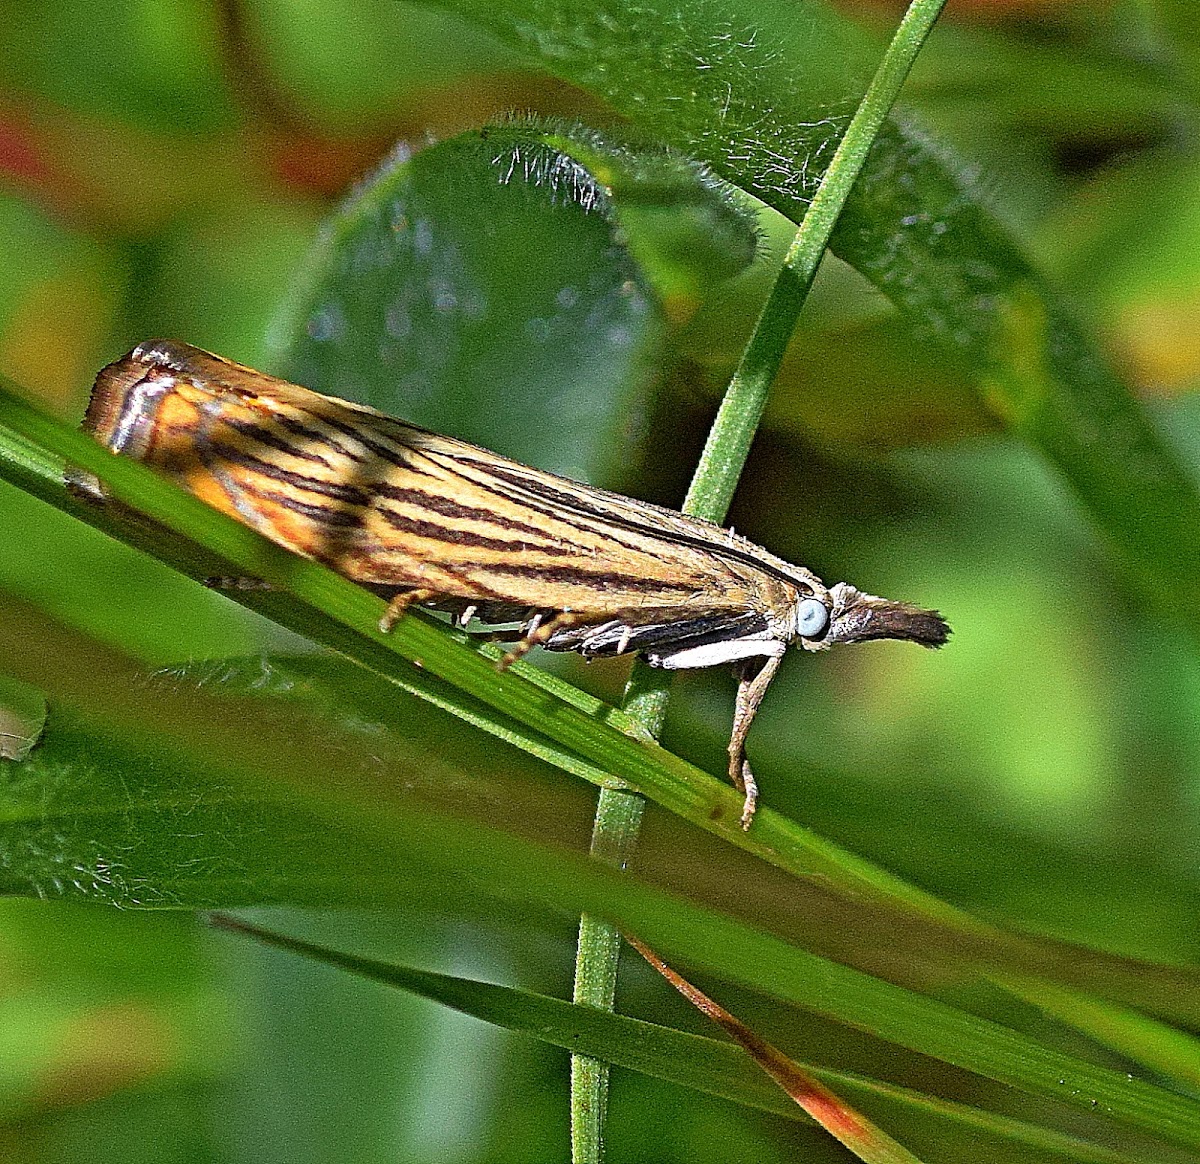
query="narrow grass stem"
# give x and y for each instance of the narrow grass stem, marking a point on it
(618, 811)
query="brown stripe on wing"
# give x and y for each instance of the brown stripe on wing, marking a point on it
(548, 504)
(320, 436)
(382, 436)
(446, 506)
(441, 531)
(219, 451)
(601, 580)
(278, 438)
(326, 515)
(312, 415)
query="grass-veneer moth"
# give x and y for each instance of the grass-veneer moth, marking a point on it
(429, 520)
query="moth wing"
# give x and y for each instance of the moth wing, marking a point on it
(618, 511)
(397, 508)
(446, 516)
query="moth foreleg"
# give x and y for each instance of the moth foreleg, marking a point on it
(400, 603)
(744, 782)
(754, 678)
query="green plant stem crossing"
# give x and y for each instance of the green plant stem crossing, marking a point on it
(619, 812)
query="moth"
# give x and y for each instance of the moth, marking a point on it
(520, 554)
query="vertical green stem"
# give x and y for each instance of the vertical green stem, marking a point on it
(619, 811)
(597, 954)
(598, 949)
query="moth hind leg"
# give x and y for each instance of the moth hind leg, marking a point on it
(399, 604)
(537, 631)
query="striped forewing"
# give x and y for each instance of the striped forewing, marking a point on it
(391, 505)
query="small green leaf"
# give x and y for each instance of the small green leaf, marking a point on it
(686, 228)
(523, 264)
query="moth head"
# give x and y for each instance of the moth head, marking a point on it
(847, 615)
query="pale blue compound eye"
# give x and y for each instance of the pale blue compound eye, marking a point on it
(812, 617)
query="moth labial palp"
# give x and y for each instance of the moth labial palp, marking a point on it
(429, 520)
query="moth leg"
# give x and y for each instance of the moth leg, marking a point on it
(538, 632)
(222, 582)
(754, 678)
(400, 603)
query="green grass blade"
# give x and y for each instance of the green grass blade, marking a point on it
(279, 751)
(340, 615)
(550, 719)
(704, 1064)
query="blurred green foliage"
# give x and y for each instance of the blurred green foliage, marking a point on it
(164, 168)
